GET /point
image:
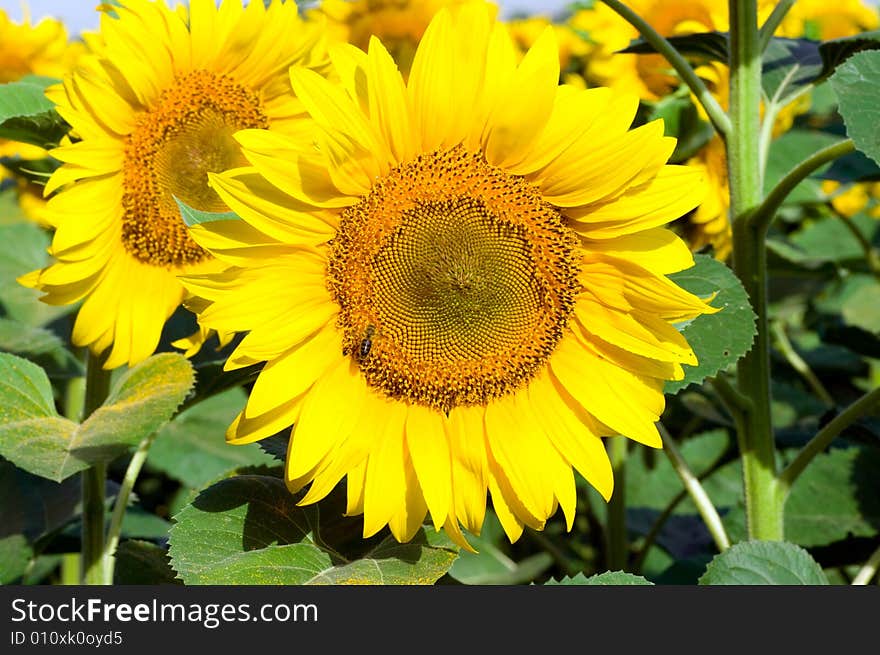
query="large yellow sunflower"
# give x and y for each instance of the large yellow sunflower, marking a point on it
(462, 289)
(153, 109)
(26, 49)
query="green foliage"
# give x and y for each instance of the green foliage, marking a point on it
(27, 115)
(142, 563)
(614, 578)
(490, 565)
(718, 339)
(193, 448)
(789, 149)
(832, 500)
(855, 84)
(193, 217)
(788, 66)
(15, 554)
(36, 438)
(764, 563)
(249, 530)
(837, 51)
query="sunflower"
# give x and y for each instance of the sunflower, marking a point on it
(821, 20)
(153, 108)
(450, 302)
(398, 23)
(26, 49)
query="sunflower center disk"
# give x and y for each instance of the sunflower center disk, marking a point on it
(185, 135)
(455, 280)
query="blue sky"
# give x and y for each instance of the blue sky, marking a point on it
(81, 14)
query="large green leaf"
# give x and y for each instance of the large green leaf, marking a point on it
(835, 498)
(608, 578)
(36, 438)
(709, 46)
(33, 506)
(718, 339)
(862, 308)
(249, 530)
(39, 345)
(764, 563)
(27, 115)
(856, 83)
(193, 448)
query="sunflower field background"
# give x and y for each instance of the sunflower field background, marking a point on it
(401, 292)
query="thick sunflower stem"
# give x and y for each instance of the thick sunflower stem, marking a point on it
(617, 545)
(93, 482)
(755, 434)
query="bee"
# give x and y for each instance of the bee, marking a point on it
(366, 342)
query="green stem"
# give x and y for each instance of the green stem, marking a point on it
(94, 481)
(755, 431)
(764, 214)
(868, 571)
(773, 22)
(121, 504)
(617, 547)
(685, 71)
(799, 365)
(824, 437)
(70, 570)
(696, 491)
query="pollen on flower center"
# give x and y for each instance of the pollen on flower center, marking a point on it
(185, 135)
(455, 280)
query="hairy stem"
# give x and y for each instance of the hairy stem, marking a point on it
(755, 431)
(685, 71)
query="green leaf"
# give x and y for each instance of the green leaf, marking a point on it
(856, 83)
(862, 308)
(141, 524)
(490, 565)
(39, 345)
(764, 563)
(829, 239)
(718, 339)
(15, 555)
(33, 506)
(193, 449)
(785, 152)
(788, 66)
(249, 530)
(836, 51)
(616, 578)
(36, 438)
(192, 216)
(27, 115)
(835, 498)
(682, 121)
(709, 46)
(142, 563)
(24, 98)
(22, 250)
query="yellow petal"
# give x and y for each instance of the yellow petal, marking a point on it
(429, 452)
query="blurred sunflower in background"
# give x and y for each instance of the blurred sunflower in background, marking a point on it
(26, 49)
(153, 108)
(399, 24)
(453, 302)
